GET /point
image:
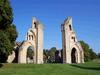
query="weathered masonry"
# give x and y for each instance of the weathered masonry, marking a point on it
(72, 50)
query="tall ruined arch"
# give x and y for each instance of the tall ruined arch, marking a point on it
(34, 38)
(72, 50)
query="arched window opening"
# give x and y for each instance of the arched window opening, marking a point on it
(73, 38)
(35, 24)
(32, 37)
(70, 27)
(29, 37)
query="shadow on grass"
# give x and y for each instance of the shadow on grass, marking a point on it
(86, 67)
(1, 65)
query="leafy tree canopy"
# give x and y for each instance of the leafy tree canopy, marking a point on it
(6, 15)
(5, 47)
(89, 54)
(8, 33)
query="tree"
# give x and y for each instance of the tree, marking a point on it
(5, 47)
(88, 53)
(98, 55)
(85, 47)
(6, 15)
(58, 57)
(93, 55)
(8, 33)
(11, 32)
(52, 54)
(45, 55)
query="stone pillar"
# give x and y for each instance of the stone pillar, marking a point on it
(40, 44)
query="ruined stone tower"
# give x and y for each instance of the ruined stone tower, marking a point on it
(72, 50)
(31, 50)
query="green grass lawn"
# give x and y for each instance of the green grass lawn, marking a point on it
(90, 68)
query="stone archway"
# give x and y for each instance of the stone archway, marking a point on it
(33, 38)
(30, 54)
(74, 55)
(22, 57)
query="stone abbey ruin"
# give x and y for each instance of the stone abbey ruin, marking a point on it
(72, 51)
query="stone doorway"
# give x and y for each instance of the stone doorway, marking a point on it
(74, 56)
(30, 55)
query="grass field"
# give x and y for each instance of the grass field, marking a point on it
(90, 68)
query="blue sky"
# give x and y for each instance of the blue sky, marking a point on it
(85, 14)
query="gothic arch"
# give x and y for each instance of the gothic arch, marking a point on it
(31, 34)
(75, 54)
(22, 57)
(30, 54)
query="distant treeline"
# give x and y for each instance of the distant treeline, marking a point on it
(55, 56)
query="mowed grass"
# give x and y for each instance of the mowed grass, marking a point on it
(90, 68)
